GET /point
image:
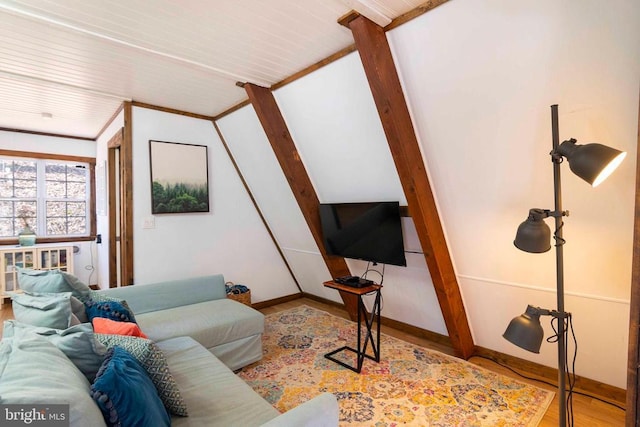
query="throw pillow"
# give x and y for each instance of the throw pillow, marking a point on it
(154, 362)
(103, 325)
(43, 309)
(78, 343)
(34, 371)
(101, 297)
(51, 281)
(78, 309)
(125, 394)
(81, 290)
(113, 310)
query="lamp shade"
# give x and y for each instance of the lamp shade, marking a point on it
(525, 330)
(591, 162)
(533, 234)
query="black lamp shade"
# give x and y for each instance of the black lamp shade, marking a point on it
(525, 330)
(534, 235)
(591, 162)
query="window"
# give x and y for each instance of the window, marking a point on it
(49, 196)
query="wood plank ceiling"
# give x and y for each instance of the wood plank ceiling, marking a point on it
(78, 60)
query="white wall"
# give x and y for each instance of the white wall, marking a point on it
(85, 260)
(480, 77)
(334, 123)
(255, 158)
(230, 239)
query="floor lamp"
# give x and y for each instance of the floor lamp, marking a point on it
(593, 163)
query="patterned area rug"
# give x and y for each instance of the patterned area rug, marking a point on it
(411, 385)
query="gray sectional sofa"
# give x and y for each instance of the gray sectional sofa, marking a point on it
(188, 317)
(197, 308)
(204, 337)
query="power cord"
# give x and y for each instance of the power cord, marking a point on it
(546, 382)
(369, 269)
(364, 276)
(90, 267)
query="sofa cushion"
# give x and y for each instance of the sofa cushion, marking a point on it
(169, 294)
(155, 363)
(125, 394)
(211, 323)
(76, 342)
(103, 325)
(52, 281)
(33, 370)
(214, 394)
(52, 310)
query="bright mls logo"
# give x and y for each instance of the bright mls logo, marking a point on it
(34, 415)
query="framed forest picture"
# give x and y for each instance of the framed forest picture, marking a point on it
(179, 177)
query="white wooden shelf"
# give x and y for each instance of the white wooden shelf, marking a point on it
(49, 257)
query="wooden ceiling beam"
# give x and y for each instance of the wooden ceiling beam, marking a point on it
(375, 54)
(294, 171)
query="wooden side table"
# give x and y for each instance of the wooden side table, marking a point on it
(361, 349)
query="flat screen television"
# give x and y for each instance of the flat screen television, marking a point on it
(367, 231)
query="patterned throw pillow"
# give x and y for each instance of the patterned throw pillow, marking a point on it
(100, 297)
(154, 362)
(125, 394)
(113, 310)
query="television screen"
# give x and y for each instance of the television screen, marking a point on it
(367, 231)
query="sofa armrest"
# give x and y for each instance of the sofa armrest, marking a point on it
(321, 411)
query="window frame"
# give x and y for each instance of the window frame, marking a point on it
(91, 226)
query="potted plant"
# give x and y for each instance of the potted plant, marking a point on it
(26, 236)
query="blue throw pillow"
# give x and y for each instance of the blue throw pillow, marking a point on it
(154, 362)
(125, 394)
(112, 310)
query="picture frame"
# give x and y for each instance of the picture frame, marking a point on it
(179, 177)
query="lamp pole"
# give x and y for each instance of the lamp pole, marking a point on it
(593, 163)
(558, 214)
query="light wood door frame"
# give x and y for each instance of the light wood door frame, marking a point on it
(120, 165)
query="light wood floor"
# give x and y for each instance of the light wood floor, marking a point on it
(588, 412)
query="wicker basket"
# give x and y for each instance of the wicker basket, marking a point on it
(244, 298)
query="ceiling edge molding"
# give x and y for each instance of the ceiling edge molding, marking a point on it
(48, 134)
